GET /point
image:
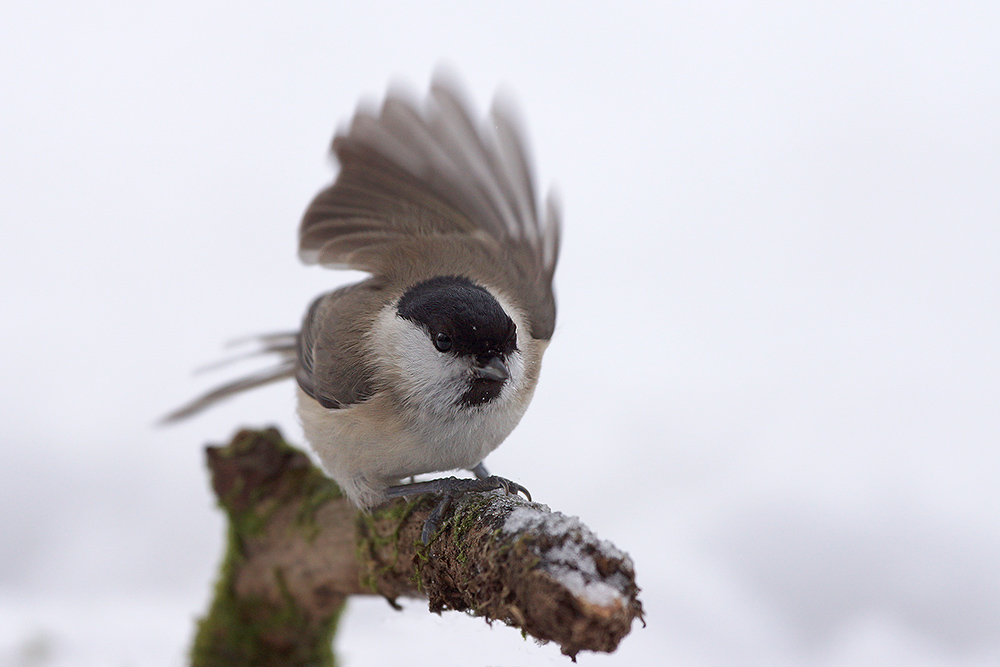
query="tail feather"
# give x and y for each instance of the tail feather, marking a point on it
(285, 345)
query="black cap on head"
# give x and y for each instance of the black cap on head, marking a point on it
(472, 320)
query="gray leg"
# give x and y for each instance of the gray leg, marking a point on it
(451, 488)
(480, 471)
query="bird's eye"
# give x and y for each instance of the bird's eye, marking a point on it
(442, 342)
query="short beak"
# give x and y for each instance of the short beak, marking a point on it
(494, 369)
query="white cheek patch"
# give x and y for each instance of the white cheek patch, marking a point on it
(515, 366)
(419, 370)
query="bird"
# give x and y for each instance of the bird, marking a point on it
(428, 363)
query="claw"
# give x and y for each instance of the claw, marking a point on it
(451, 488)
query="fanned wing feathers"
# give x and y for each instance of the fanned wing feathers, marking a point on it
(429, 189)
(421, 192)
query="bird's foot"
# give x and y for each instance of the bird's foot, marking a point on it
(451, 488)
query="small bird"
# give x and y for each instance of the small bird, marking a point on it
(430, 363)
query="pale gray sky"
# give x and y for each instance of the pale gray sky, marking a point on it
(775, 379)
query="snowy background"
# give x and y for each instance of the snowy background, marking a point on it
(775, 379)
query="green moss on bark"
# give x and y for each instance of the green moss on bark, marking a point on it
(254, 477)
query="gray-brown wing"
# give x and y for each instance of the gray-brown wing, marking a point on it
(331, 366)
(412, 179)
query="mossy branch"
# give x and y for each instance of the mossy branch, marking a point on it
(297, 549)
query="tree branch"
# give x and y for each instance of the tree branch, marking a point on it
(297, 549)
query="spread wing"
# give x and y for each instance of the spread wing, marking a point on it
(429, 189)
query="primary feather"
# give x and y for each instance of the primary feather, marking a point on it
(415, 180)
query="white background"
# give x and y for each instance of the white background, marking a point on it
(775, 379)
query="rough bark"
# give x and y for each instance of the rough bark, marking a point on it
(297, 549)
